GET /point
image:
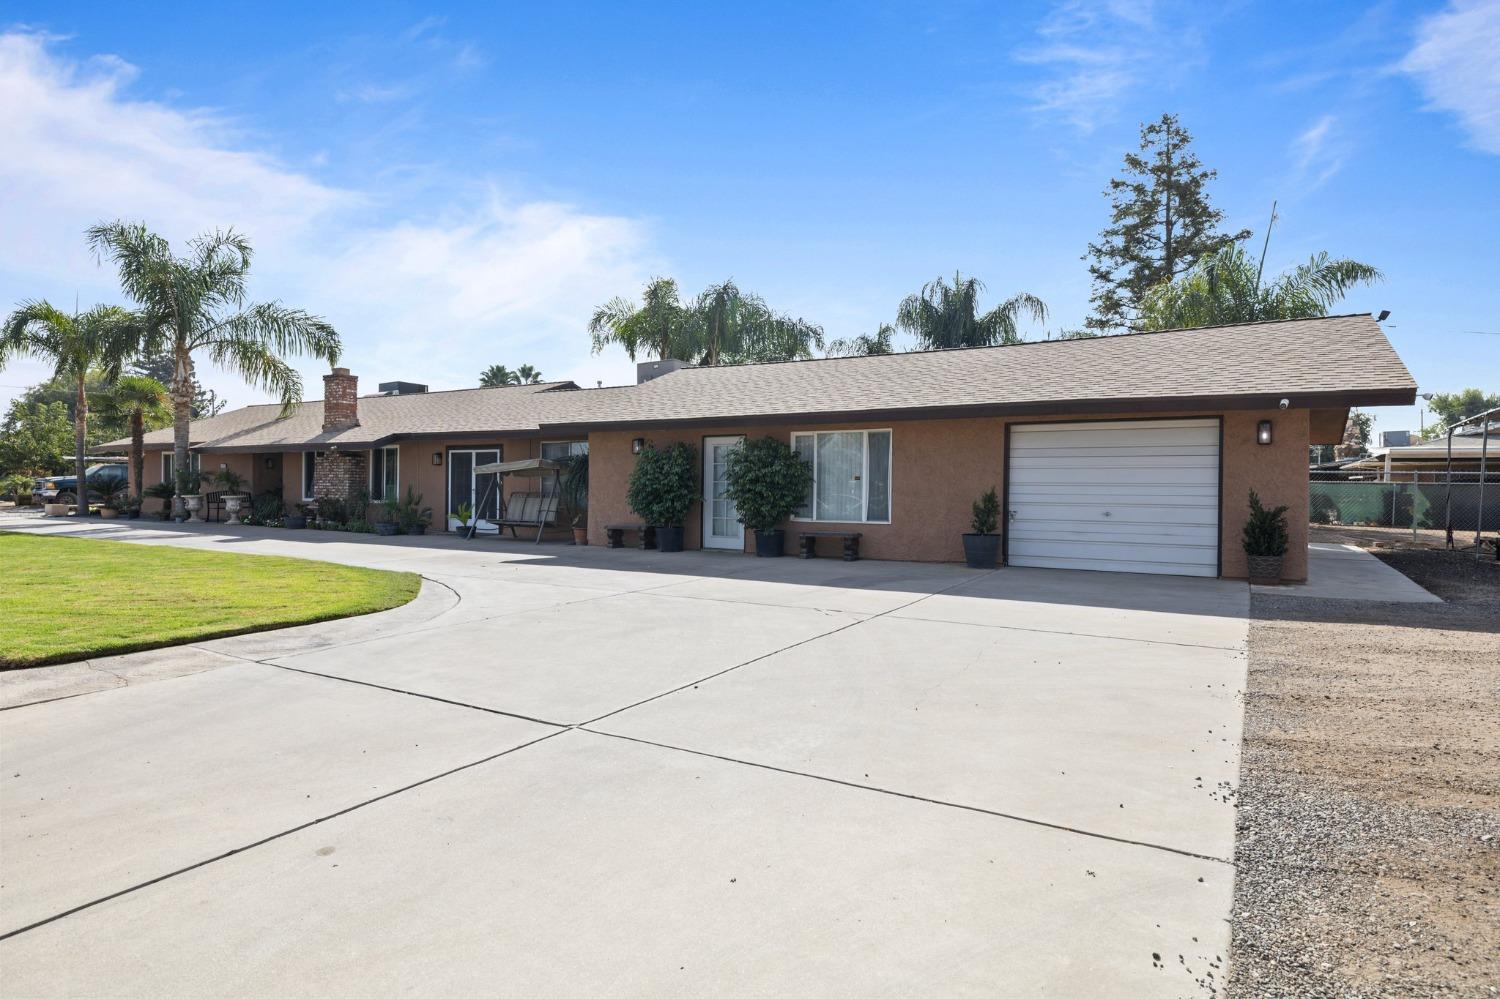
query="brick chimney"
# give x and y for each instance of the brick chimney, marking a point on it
(340, 400)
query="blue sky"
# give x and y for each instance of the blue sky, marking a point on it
(460, 189)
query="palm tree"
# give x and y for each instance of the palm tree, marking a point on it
(138, 398)
(527, 375)
(496, 375)
(658, 327)
(101, 338)
(730, 327)
(943, 315)
(1226, 288)
(866, 344)
(197, 303)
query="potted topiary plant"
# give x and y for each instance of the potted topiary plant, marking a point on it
(233, 485)
(982, 548)
(661, 491)
(575, 492)
(767, 481)
(1265, 541)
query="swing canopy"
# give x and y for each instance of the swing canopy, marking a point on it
(525, 467)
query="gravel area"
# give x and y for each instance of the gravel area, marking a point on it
(1368, 831)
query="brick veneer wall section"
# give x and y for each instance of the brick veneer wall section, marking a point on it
(340, 400)
(339, 474)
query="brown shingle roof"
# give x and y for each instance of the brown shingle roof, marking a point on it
(1332, 361)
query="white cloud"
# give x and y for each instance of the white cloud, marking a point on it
(1095, 52)
(422, 291)
(1318, 153)
(1455, 62)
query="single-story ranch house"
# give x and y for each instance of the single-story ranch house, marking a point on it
(1128, 453)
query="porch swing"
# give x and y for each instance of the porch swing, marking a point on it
(523, 510)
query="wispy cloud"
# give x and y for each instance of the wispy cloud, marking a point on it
(1094, 53)
(419, 290)
(1455, 63)
(1317, 154)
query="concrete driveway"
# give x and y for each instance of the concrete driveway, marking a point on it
(584, 772)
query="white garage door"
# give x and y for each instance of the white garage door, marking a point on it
(1118, 496)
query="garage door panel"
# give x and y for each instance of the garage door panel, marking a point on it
(1128, 496)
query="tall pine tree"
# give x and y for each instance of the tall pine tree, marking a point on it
(1161, 222)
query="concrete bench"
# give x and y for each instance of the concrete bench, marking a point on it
(808, 541)
(616, 534)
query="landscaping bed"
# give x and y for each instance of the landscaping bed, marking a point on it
(66, 599)
(1368, 838)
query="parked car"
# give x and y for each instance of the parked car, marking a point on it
(64, 488)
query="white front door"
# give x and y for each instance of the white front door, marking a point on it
(721, 521)
(1121, 496)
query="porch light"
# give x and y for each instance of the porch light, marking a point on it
(270, 462)
(223, 465)
(437, 457)
(638, 445)
(1263, 432)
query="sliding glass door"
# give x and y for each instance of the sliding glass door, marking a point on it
(468, 488)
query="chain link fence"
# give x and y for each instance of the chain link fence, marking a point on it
(1414, 500)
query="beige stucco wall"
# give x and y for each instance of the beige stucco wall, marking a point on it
(939, 467)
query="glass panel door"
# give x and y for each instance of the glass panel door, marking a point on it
(467, 486)
(721, 520)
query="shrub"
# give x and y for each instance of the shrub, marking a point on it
(767, 481)
(410, 513)
(986, 512)
(1265, 530)
(663, 485)
(230, 481)
(267, 509)
(1324, 509)
(575, 486)
(17, 486)
(161, 490)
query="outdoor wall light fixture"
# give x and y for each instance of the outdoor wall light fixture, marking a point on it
(1263, 432)
(437, 457)
(223, 465)
(270, 462)
(638, 445)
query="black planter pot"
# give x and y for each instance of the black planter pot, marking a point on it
(293, 523)
(385, 529)
(669, 539)
(417, 529)
(770, 544)
(982, 551)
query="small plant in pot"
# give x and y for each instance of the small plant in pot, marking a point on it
(767, 481)
(113, 495)
(575, 493)
(661, 491)
(385, 524)
(233, 485)
(162, 491)
(1265, 541)
(411, 516)
(982, 548)
(296, 517)
(189, 481)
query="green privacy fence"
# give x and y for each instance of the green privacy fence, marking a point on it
(1412, 500)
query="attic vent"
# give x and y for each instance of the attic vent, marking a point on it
(401, 388)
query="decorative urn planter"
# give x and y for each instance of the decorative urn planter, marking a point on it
(232, 505)
(193, 504)
(981, 551)
(1264, 568)
(54, 509)
(770, 544)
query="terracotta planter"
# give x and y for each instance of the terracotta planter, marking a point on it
(108, 512)
(55, 509)
(232, 506)
(1264, 568)
(580, 535)
(193, 504)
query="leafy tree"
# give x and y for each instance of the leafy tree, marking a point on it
(146, 404)
(496, 375)
(102, 425)
(1358, 430)
(35, 438)
(865, 344)
(767, 481)
(662, 485)
(728, 326)
(75, 344)
(1451, 407)
(196, 304)
(206, 402)
(658, 327)
(947, 315)
(1226, 287)
(1161, 223)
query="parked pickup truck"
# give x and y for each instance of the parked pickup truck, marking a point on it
(64, 488)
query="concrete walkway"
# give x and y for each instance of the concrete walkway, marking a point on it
(571, 772)
(1347, 572)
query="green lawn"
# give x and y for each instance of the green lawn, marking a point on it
(63, 599)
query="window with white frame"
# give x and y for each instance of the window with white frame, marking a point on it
(385, 470)
(851, 476)
(309, 466)
(195, 462)
(559, 451)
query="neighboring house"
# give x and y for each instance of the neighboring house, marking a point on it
(1129, 453)
(1468, 450)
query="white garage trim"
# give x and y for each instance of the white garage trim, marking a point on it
(1115, 495)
